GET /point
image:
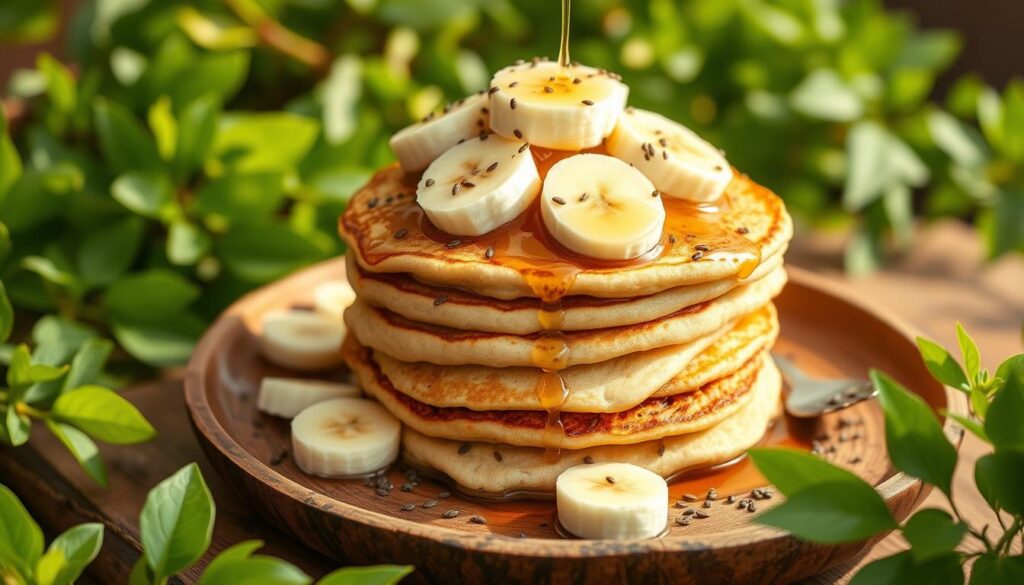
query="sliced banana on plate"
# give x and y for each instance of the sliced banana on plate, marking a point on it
(547, 106)
(287, 397)
(302, 340)
(345, 437)
(333, 297)
(678, 162)
(478, 185)
(612, 501)
(417, 145)
(600, 206)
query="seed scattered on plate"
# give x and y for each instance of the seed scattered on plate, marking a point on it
(440, 300)
(498, 457)
(690, 497)
(689, 512)
(453, 244)
(701, 514)
(450, 514)
(588, 460)
(444, 495)
(401, 233)
(712, 494)
(281, 456)
(683, 520)
(697, 255)
(478, 520)
(489, 253)
(382, 492)
(408, 507)
(464, 448)
(707, 503)
(429, 503)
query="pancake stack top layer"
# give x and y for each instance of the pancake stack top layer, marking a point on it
(524, 344)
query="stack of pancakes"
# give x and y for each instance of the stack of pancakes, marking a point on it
(664, 360)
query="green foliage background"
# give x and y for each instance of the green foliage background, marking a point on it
(188, 151)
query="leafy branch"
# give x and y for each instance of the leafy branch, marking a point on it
(828, 504)
(42, 386)
(176, 524)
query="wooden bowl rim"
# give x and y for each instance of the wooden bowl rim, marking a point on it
(209, 429)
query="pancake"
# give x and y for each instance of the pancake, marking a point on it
(749, 223)
(413, 341)
(653, 418)
(474, 466)
(417, 301)
(610, 386)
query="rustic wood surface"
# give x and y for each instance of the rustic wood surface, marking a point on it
(942, 281)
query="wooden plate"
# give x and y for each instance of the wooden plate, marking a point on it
(825, 332)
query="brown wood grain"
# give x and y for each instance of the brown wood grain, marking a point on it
(942, 281)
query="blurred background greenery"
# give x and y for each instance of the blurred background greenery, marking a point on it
(180, 153)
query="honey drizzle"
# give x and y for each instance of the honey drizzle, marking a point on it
(548, 269)
(563, 46)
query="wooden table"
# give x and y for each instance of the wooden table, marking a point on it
(943, 280)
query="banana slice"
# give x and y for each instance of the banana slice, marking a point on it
(601, 207)
(612, 500)
(567, 109)
(345, 437)
(332, 298)
(678, 162)
(287, 397)
(302, 340)
(478, 185)
(417, 145)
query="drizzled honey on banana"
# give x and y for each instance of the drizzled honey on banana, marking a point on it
(478, 168)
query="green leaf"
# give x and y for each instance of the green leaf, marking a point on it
(10, 161)
(60, 83)
(790, 470)
(238, 565)
(1013, 121)
(914, 437)
(257, 570)
(187, 243)
(196, 127)
(991, 569)
(263, 253)
(1003, 421)
(21, 540)
(249, 197)
(824, 95)
(901, 569)
(104, 415)
(971, 425)
(832, 512)
(17, 427)
(999, 476)
(164, 127)
(82, 448)
(145, 193)
(69, 554)
(376, 575)
(979, 402)
(124, 142)
(65, 336)
(969, 351)
(932, 532)
(341, 95)
(877, 160)
(941, 364)
(177, 522)
(6, 314)
(106, 254)
(50, 271)
(959, 141)
(1001, 224)
(263, 141)
(141, 573)
(87, 365)
(169, 343)
(150, 297)
(18, 370)
(39, 196)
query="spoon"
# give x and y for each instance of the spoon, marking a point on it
(813, 397)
